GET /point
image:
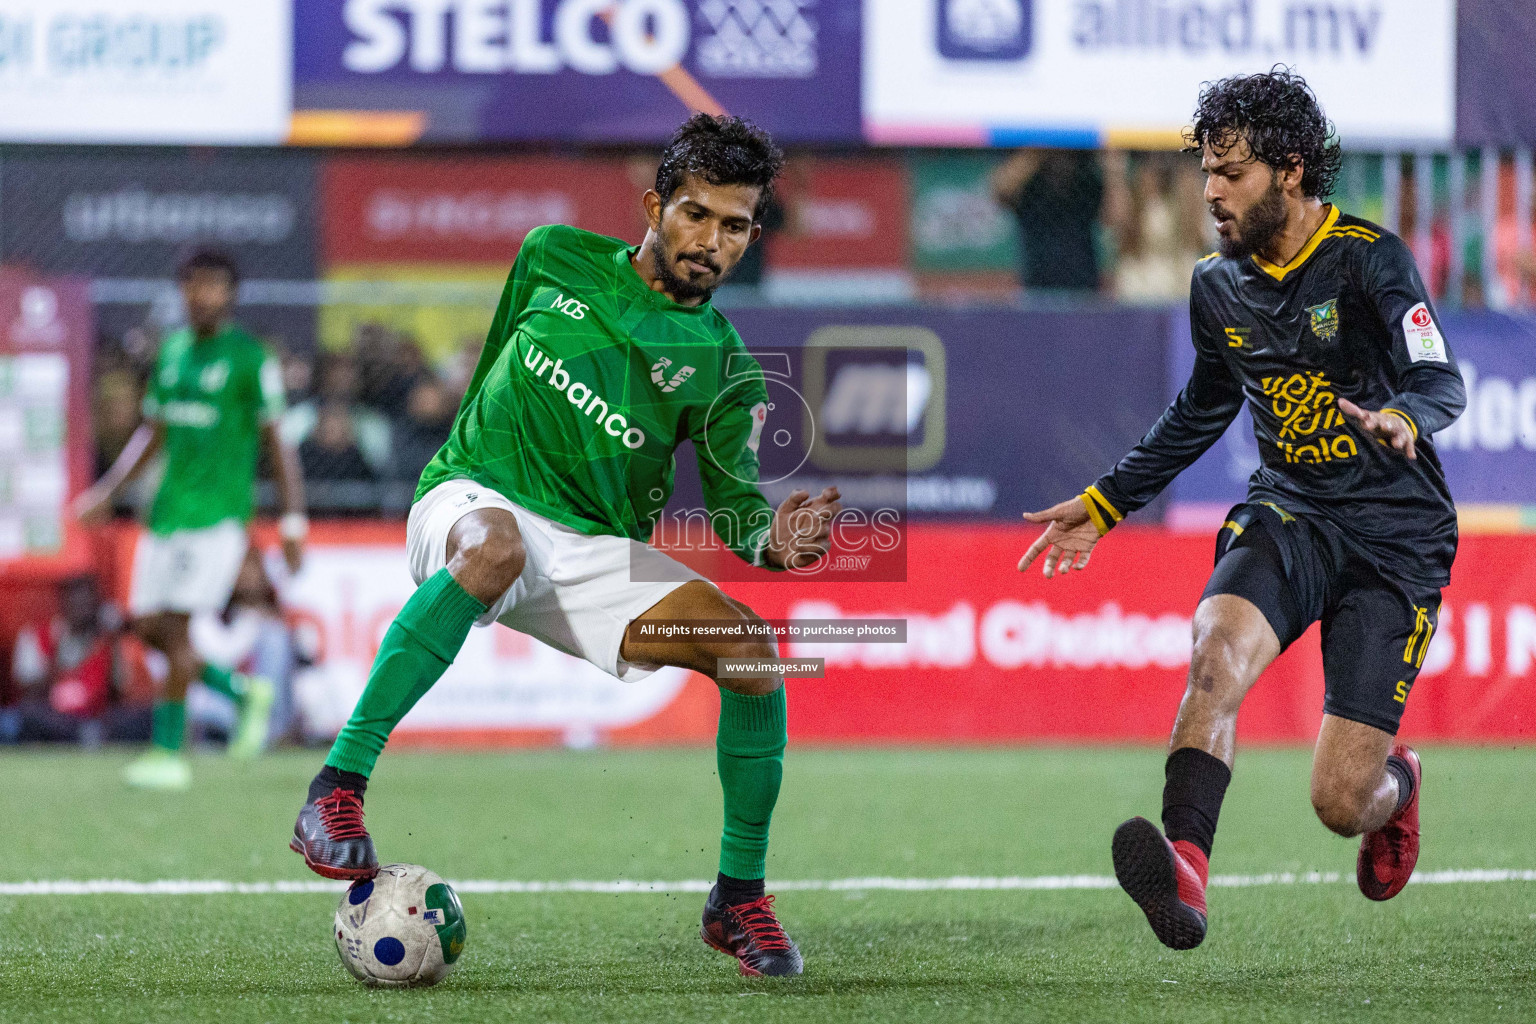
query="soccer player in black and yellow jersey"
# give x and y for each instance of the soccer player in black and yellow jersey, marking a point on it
(1320, 323)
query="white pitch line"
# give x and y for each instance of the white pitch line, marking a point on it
(961, 883)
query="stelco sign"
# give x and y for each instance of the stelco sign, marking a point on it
(594, 37)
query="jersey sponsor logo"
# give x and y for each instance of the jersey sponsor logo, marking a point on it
(582, 396)
(1237, 337)
(1324, 319)
(570, 306)
(659, 375)
(214, 376)
(1422, 336)
(189, 414)
(1306, 405)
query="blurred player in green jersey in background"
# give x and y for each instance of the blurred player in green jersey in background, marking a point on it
(213, 401)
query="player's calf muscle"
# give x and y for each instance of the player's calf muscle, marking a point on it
(1351, 790)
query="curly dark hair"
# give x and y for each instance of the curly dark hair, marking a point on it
(722, 150)
(1277, 112)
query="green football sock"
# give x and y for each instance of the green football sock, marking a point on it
(418, 648)
(168, 724)
(749, 749)
(222, 680)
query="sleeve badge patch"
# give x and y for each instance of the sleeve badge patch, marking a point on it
(1422, 336)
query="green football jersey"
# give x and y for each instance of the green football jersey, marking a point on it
(588, 383)
(212, 396)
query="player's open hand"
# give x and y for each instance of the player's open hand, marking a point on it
(802, 528)
(1388, 428)
(1068, 539)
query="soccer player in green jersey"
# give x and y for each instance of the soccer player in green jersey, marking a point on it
(214, 398)
(601, 360)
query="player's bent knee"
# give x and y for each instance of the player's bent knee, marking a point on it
(150, 629)
(1339, 806)
(744, 650)
(486, 562)
(1216, 670)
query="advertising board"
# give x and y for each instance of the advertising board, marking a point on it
(145, 71)
(583, 70)
(990, 655)
(1086, 73)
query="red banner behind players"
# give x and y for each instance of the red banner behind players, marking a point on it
(991, 655)
(468, 209)
(1102, 655)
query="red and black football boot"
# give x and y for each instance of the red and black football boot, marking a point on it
(1387, 855)
(751, 933)
(331, 836)
(1167, 881)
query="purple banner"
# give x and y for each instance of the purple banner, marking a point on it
(1489, 454)
(603, 71)
(1495, 72)
(988, 414)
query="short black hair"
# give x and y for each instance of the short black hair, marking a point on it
(722, 150)
(209, 259)
(1277, 112)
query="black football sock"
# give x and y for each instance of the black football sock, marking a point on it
(1196, 784)
(736, 891)
(1399, 770)
(334, 778)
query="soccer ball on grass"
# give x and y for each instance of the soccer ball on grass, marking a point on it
(403, 927)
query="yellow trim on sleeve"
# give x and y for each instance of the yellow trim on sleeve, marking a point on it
(1094, 500)
(1098, 496)
(1094, 514)
(1237, 530)
(1405, 418)
(1279, 272)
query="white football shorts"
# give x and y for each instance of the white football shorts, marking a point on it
(576, 593)
(187, 571)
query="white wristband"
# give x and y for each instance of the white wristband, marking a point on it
(293, 526)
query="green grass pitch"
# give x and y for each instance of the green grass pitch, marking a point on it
(1302, 952)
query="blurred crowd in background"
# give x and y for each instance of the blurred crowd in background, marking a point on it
(80, 676)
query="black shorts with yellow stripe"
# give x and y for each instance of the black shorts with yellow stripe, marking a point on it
(1300, 569)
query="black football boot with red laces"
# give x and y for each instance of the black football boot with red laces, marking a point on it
(751, 933)
(331, 836)
(1388, 855)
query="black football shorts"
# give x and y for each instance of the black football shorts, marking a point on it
(1298, 570)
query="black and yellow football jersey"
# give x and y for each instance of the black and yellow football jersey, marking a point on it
(1348, 317)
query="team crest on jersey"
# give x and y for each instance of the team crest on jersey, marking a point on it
(214, 376)
(1324, 319)
(659, 375)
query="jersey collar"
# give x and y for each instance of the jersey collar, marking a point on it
(1279, 272)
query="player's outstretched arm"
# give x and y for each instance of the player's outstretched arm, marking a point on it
(802, 528)
(1068, 540)
(94, 504)
(1390, 428)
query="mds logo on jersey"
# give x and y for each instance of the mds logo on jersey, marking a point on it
(984, 29)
